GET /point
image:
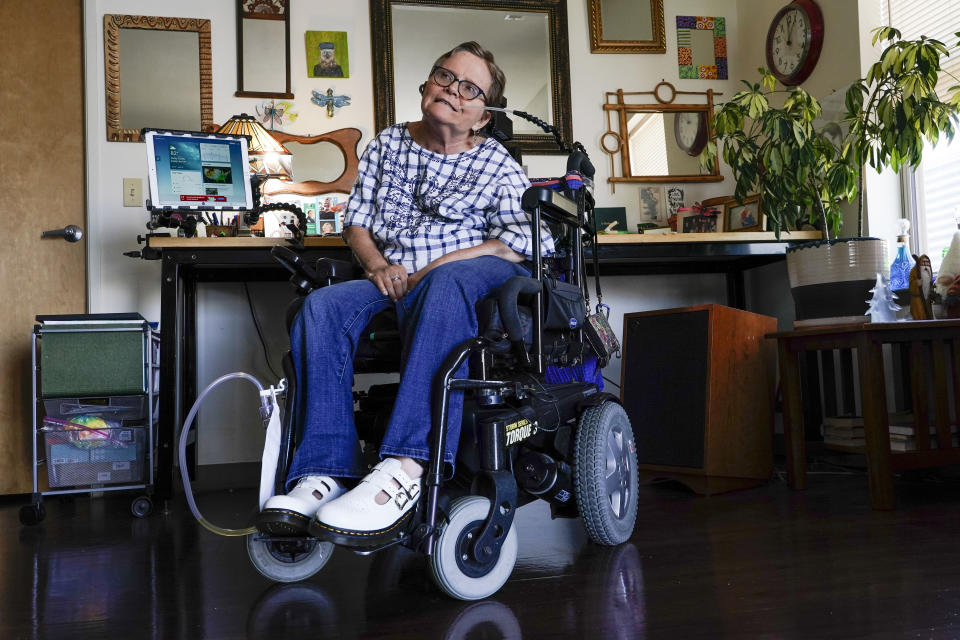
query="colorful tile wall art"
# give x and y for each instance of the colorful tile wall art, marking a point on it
(702, 47)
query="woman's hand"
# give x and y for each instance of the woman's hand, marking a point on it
(390, 279)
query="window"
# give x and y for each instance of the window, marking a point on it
(934, 186)
(936, 189)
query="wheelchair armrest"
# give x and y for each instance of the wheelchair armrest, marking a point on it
(554, 206)
(331, 269)
(507, 297)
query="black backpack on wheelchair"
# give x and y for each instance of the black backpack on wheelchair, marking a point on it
(528, 433)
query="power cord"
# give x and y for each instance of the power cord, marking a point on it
(256, 324)
(611, 382)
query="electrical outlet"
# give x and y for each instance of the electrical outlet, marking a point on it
(132, 192)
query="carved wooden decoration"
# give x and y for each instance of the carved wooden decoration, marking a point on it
(344, 139)
(111, 62)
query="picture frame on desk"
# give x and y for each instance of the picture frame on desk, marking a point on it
(743, 216)
(652, 205)
(696, 222)
(610, 219)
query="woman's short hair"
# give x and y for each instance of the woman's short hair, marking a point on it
(494, 96)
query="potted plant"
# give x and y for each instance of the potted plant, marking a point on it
(803, 174)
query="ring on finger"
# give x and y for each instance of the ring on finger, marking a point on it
(394, 278)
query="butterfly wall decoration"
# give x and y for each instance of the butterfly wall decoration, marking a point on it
(273, 114)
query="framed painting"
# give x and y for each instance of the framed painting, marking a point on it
(743, 216)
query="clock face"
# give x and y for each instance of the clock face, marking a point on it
(794, 41)
(689, 132)
(790, 40)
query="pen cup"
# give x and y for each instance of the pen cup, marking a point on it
(221, 231)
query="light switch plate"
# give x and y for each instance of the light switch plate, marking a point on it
(132, 192)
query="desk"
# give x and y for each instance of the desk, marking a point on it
(187, 261)
(931, 348)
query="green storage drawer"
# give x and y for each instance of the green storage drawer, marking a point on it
(90, 361)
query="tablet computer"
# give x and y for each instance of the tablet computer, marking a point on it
(195, 171)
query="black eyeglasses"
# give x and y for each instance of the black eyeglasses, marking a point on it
(444, 78)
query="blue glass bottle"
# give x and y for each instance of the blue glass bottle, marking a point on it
(903, 262)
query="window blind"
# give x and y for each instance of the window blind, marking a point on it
(937, 189)
(938, 19)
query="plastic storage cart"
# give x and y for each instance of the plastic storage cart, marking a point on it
(95, 382)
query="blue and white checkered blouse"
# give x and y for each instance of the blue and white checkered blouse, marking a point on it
(420, 205)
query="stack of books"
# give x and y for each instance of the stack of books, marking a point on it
(903, 437)
(847, 432)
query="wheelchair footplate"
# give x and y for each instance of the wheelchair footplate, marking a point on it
(283, 522)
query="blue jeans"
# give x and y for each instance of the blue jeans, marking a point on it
(434, 317)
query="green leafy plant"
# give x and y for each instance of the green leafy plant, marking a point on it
(801, 173)
(891, 111)
(777, 153)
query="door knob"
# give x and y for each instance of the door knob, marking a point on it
(70, 233)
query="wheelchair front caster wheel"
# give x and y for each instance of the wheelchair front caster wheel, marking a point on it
(453, 569)
(287, 559)
(605, 474)
(32, 514)
(141, 507)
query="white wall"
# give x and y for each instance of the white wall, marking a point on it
(226, 335)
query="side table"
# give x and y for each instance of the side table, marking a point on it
(932, 369)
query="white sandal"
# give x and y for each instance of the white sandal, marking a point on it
(356, 516)
(292, 513)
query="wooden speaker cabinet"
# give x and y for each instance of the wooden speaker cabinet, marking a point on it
(698, 386)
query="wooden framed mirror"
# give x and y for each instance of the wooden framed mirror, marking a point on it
(657, 138)
(626, 26)
(263, 49)
(157, 74)
(527, 37)
(325, 163)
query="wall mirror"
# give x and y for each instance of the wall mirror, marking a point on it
(527, 37)
(324, 163)
(263, 49)
(626, 26)
(157, 74)
(657, 138)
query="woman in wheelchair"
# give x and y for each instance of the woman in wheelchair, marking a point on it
(435, 219)
(440, 220)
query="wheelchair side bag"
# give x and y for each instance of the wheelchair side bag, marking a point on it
(564, 307)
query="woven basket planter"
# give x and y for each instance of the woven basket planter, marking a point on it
(831, 279)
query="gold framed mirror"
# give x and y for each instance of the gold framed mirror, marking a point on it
(527, 37)
(157, 74)
(656, 138)
(626, 26)
(263, 49)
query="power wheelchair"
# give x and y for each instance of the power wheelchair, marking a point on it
(524, 436)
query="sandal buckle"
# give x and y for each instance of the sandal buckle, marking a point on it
(405, 495)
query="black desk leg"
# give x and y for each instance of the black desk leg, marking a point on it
(188, 380)
(736, 290)
(169, 384)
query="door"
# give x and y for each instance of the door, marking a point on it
(41, 188)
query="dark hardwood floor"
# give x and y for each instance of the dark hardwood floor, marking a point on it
(762, 563)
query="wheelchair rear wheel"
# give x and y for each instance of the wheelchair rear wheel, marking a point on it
(453, 570)
(287, 559)
(605, 473)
